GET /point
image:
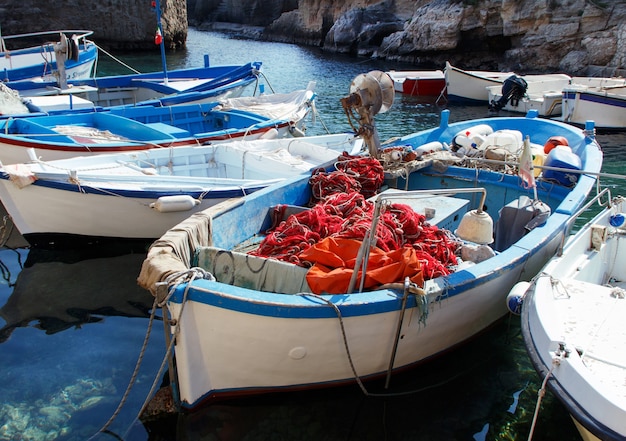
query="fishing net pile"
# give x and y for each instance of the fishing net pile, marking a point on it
(327, 236)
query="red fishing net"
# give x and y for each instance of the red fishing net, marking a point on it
(343, 213)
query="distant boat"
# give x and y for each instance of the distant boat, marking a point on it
(141, 194)
(471, 86)
(544, 96)
(124, 129)
(300, 287)
(419, 83)
(602, 100)
(573, 323)
(56, 56)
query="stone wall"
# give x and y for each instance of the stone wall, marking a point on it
(117, 24)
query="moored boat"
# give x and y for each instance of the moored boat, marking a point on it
(55, 56)
(124, 129)
(471, 86)
(602, 100)
(419, 83)
(573, 323)
(179, 86)
(297, 288)
(137, 196)
(544, 96)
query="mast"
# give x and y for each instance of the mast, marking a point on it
(161, 40)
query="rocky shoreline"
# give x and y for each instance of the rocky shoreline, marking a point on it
(527, 36)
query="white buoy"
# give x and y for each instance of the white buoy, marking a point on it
(167, 204)
(516, 296)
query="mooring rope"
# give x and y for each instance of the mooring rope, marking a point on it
(357, 378)
(176, 279)
(133, 377)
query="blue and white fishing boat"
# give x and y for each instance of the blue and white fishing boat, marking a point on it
(139, 195)
(124, 129)
(180, 86)
(573, 323)
(386, 282)
(58, 57)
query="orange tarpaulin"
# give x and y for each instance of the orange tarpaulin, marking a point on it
(333, 264)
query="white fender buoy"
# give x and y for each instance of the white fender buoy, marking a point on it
(516, 296)
(167, 204)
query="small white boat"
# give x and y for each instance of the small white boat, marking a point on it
(252, 313)
(60, 56)
(471, 86)
(544, 96)
(141, 194)
(573, 324)
(602, 100)
(419, 83)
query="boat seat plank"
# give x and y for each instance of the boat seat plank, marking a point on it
(252, 272)
(176, 132)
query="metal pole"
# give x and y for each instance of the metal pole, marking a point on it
(162, 44)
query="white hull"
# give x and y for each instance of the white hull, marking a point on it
(605, 106)
(39, 63)
(543, 96)
(574, 331)
(255, 329)
(111, 195)
(247, 353)
(471, 85)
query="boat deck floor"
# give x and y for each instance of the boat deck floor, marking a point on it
(596, 328)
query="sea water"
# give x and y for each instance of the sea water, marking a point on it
(75, 328)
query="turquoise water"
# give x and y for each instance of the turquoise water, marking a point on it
(72, 325)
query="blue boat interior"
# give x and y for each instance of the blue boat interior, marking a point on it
(138, 123)
(506, 202)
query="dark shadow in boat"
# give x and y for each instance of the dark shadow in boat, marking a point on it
(80, 289)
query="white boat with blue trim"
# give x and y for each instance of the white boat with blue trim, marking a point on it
(266, 301)
(124, 129)
(60, 56)
(573, 323)
(139, 195)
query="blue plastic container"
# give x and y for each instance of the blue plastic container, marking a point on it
(564, 158)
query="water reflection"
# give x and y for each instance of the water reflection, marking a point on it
(58, 295)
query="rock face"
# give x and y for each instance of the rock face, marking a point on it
(117, 24)
(522, 35)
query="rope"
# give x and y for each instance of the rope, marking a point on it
(174, 280)
(421, 300)
(541, 393)
(133, 376)
(118, 60)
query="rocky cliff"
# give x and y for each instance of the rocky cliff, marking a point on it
(117, 24)
(522, 35)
